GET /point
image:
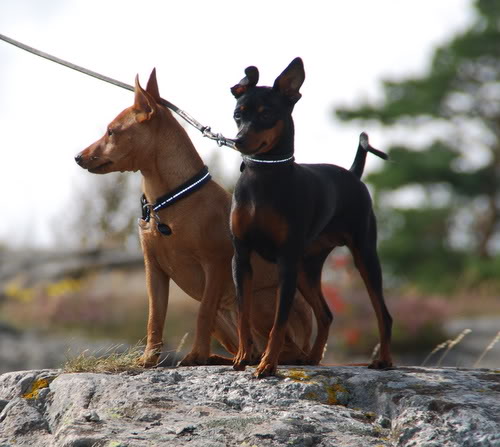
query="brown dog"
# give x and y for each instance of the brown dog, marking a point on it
(189, 242)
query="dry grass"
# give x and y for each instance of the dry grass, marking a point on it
(488, 348)
(116, 359)
(453, 343)
(436, 349)
(448, 345)
(180, 347)
(113, 360)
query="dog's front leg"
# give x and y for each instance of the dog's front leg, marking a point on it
(287, 268)
(158, 284)
(215, 278)
(242, 277)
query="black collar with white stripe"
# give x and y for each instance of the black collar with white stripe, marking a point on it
(187, 188)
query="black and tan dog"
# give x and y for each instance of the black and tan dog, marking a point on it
(294, 215)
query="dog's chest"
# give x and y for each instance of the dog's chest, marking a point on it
(170, 252)
(253, 222)
(177, 262)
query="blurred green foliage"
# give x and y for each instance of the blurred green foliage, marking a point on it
(445, 232)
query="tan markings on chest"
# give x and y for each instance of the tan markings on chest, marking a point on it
(264, 219)
(242, 218)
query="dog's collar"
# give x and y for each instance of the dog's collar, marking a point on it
(268, 161)
(187, 188)
(265, 161)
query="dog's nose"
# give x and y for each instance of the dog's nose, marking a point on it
(78, 159)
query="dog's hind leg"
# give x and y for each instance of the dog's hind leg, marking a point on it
(309, 284)
(366, 259)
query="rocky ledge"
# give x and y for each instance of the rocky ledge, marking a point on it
(215, 406)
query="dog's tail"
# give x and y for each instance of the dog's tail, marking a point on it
(358, 165)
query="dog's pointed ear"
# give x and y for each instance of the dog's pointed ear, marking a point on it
(152, 86)
(289, 82)
(144, 104)
(249, 81)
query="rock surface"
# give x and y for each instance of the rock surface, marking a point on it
(218, 407)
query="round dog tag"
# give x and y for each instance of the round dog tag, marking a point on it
(164, 229)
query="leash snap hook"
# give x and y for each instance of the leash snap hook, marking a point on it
(206, 131)
(221, 141)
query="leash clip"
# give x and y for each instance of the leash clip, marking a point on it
(220, 139)
(152, 212)
(149, 207)
(207, 132)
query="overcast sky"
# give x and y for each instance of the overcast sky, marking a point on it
(48, 113)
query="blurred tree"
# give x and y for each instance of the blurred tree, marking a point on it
(107, 212)
(452, 232)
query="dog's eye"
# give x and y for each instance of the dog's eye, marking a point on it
(110, 132)
(237, 116)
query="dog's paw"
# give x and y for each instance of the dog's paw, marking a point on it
(150, 357)
(240, 365)
(237, 366)
(380, 364)
(148, 360)
(241, 361)
(265, 369)
(312, 360)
